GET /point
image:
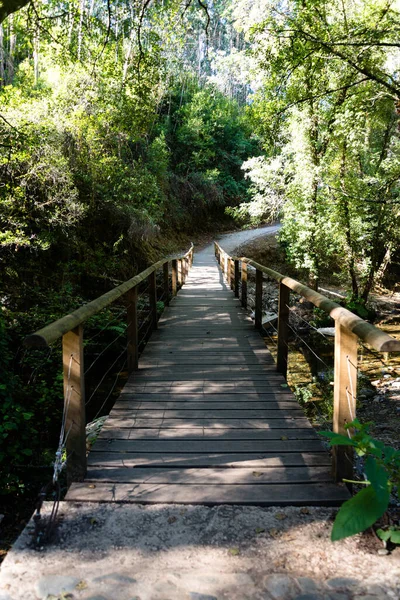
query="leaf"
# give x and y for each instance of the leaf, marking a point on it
(280, 516)
(171, 519)
(284, 385)
(359, 513)
(234, 551)
(256, 474)
(337, 439)
(377, 476)
(392, 534)
(259, 530)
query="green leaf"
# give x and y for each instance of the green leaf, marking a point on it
(377, 476)
(392, 534)
(359, 513)
(383, 535)
(336, 439)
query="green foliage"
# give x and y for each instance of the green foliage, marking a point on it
(382, 470)
(392, 534)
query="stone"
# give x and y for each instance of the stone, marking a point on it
(196, 596)
(117, 577)
(308, 585)
(54, 585)
(281, 587)
(310, 596)
(342, 582)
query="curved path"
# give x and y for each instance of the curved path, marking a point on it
(233, 241)
(207, 419)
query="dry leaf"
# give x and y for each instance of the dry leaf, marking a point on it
(273, 533)
(234, 551)
(82, 585)
(259, 530)
(280, 516)
(171, 520)
(256, 474)
(92, 486)
(304, 511)
(284, 438)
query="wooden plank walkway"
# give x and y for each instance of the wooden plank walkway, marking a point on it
(207, 419)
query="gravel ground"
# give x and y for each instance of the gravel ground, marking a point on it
(170, 552)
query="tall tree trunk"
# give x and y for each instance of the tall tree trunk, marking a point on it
(11, 51)
(346, 223)
(2, 58)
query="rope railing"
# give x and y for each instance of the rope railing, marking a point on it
(349, 328)
(141, 295)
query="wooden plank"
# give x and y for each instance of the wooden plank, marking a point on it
(194, 433)
(274, 396)
(117, 419)
(251, 460)
(192, 405)
(209, 476)
(182, 446)
(211, 414)
(312, 494)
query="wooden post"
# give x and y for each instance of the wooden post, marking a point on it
(153, 298)
(244, 284)
(174, 276)
(283, 329)
(74, 400)
(258, 307)
(166, 283)
(232, 271)
(133, 340)
(344, 398)
(236, 278)
(179, 271)
(228, 270)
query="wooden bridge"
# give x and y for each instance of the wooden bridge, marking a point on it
(206, 416)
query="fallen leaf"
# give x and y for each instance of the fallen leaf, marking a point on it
(304, 511)
(94, 521)
(284, 438)
(259, 530)
(234, 551)
(280, 516)
(256, 474)
(171, 520)
(273, 533)
(92, 486)
(82, 585)
(284, 385)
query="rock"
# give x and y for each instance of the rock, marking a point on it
(196, 596)
(269, 319)
(310, 596)
(383, 552)
(339, 583)
(281, 587)
(329, 331)
(307, 585)
(55, 585)
(117, 577)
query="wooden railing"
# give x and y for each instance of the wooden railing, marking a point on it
(70, 328)
(348, 328)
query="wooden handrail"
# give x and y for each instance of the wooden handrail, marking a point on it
(70, 328)
(368, 333)
(58, 328)
(348, 327)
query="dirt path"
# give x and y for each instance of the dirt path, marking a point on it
(233, 241)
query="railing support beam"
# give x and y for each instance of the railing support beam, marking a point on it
(133, 340)
(74, 399)
(237, 271)
(283, 329)
(244, 284)
(174, 276)
(166, 283)
(344, 401)
(258, 307)
(153, 298)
